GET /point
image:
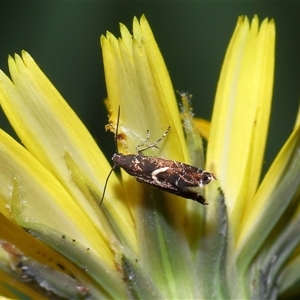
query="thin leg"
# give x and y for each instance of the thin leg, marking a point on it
(144, 142)
(153, 145)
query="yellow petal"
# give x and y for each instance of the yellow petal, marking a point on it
(16, 246)
(49, 129)
(34, 195)
(278, 190)
(203, 127)
(137, 80)
(241, 114)
(298, 119)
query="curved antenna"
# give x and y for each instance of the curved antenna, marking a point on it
(117, 131)
(117, 151)
(105, 185)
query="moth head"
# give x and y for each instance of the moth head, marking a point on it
(206, 178)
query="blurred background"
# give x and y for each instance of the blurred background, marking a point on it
(63, 38)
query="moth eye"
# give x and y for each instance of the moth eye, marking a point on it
(206, 178)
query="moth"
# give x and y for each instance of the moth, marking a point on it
(169, 175)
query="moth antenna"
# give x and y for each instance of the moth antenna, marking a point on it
(117, 130)
(117, 151)
(105, 185)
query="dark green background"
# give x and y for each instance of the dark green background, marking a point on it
(63, 38)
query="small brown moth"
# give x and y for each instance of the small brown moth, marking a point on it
(169, 175)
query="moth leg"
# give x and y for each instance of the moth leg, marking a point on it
(143, 143)
(153, 145)
(156, 172)
(184, 184)
(194, 196)
(187, 193)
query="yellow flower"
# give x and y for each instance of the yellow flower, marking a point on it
(142, 242)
